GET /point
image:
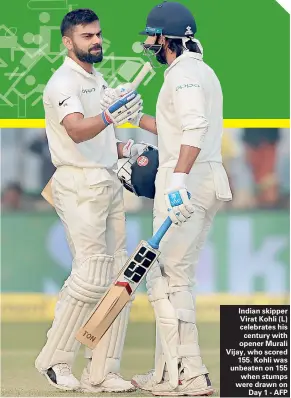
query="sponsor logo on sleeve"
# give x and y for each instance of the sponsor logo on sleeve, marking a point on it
(188, 85)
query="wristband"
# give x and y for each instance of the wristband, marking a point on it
(178, 181)
(106, 119)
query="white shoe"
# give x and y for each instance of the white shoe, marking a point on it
(144, 381)
(112, 383)
(61, 376)
(198, 386)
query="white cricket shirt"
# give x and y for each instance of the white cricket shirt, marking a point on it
(189, 111)
(71, 89)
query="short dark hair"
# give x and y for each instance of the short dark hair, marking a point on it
(81, 16)
(176, 46)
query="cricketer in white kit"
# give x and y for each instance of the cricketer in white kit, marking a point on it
(189, 125)
(88, 198)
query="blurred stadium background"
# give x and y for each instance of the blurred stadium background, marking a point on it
(245, 260)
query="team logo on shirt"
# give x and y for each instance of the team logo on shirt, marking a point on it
(88, 90)
(189, 85)
(142, 161)
(63, 102)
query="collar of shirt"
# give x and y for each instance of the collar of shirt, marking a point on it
(73, 65)
(186, 54)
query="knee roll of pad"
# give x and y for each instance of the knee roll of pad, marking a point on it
(156, 285)
(91, 280)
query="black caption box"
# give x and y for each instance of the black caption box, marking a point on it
(254, 351)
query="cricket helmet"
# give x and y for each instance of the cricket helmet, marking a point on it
(170, 19)
(138, 173)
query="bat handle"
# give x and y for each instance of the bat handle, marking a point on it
(156, 239)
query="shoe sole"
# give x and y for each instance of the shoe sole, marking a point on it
(135, 384)
(64, 388)
(204, 393)
(87, 388)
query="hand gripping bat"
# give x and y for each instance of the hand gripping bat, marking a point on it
(47, 192)
(118, 295)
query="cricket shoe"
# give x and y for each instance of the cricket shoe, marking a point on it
(144, 381)
(198, 386)
(113, 383)
(61, 376)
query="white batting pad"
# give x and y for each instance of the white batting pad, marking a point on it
(183, 301)
(107, 354)
(167, 324)
(85, 288)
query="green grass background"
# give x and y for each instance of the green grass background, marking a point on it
(21, 343)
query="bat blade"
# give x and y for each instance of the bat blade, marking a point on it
(118, 295)
(108, 309)
(47, 193)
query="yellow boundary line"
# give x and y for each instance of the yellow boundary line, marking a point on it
(227, 123)
(36, 307)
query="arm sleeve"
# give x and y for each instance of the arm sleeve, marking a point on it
(190, 108)
(65, 99)
(116, 135)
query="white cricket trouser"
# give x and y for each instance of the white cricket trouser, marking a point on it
(170, 283)
(89, 203)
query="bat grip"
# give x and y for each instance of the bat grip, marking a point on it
(154, 242)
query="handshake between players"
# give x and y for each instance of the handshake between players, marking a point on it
(121, 105)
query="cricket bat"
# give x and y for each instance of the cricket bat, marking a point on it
(118, 295)
(141, 75)
(47, 191)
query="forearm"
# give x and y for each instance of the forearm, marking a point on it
(120, 146)
(84, 129)
(148, 123)
(188, 155)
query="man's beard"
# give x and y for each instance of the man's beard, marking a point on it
(88, 57)
(161, 56)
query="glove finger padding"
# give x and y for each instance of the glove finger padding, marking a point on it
(126, 106)
(184, 213)
(133, 105)
(105, 103)
(186, 208)
(171, 213)
(180, 215)
(125, 119)
(181, 208)
(128, 114)
(110, 96)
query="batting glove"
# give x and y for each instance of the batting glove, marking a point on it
(177, 199)
(123, 110)
(131, 149)
(113, 94)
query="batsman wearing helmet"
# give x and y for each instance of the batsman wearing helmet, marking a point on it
(191, 185)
